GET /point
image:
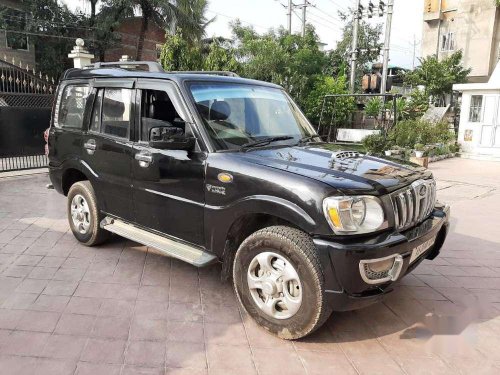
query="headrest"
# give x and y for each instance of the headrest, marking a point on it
(113, 108)
(220, 110)
(164, 110)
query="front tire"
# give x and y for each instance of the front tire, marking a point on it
(279, 281)
(83, 215)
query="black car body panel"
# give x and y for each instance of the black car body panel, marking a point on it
(283, 181)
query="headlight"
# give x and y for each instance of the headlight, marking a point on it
(354, 215)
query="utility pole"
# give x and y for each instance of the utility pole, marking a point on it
(289, 16)
(304, 7)
(440, 9)
(387, 42)
(354, 46)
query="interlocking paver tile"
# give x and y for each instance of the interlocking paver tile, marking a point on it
(146, 353)
(85, 368)
(148, 329)
(112, 327)
(60, 288)
(64, 347)
(122, 308)
(75, 324)
(104, 351)
(39, 321)
(47, 366)
(185, 331)
(83, 305)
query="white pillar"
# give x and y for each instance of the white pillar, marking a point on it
(81, 57)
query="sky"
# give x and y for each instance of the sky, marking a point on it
(323, 14)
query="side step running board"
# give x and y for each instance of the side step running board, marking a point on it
(189, 254)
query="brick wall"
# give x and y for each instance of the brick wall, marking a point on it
(129, 31)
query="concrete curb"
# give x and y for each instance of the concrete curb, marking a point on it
(26, 172)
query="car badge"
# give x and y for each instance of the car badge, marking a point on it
(422, 190)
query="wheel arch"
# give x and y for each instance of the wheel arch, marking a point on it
(250, 216)
(71, 176)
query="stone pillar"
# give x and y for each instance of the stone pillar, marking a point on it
(81, 57)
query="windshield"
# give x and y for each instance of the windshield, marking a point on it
(239, 114)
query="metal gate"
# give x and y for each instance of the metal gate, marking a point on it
(26, 98)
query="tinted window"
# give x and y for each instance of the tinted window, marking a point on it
(72, 107)
(116, 112)
(95, 121)
(158, 111)
(237, 114)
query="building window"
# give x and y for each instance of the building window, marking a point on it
(14, 21)
(476, 106)
(448, 42)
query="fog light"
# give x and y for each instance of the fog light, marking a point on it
(381, 270)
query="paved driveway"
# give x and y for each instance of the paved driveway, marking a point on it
(122, 309)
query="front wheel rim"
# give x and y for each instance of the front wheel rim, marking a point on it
(274, 285)
(80, 214)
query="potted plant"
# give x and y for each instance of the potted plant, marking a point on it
(419, 150)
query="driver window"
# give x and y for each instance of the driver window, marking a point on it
(157, 111)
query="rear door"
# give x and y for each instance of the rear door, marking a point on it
(168, 185)
(108, 149)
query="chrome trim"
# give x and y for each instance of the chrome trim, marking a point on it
(392, 274)
(413, 204)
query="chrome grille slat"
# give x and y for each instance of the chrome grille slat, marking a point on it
(414, 203)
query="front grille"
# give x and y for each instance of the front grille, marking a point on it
(414, 203)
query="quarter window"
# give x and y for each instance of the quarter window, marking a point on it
(72, 107)
(476, 106)
(116, 112)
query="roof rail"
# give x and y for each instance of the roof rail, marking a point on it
(151, 65)
(209, 72)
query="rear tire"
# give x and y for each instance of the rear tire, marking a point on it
(83, 215)
(287, 294)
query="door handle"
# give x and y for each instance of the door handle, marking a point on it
(144, 158)
(90, 146)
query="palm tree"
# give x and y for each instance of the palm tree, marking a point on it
(168, 14)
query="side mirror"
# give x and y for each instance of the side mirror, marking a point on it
(170, 138)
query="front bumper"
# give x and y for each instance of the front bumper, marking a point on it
(346, 288)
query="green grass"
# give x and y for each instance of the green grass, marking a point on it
(345, 147)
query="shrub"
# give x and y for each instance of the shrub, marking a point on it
(407, 133)
(375, 143)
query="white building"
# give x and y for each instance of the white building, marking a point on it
(479, 130)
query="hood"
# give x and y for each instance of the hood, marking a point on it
(348, 171)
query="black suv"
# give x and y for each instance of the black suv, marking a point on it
(215, 168)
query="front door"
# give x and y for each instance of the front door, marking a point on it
(108, 148)
(490, 129)
(168, 184)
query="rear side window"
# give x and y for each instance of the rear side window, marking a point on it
(116, 112)
(71, 109)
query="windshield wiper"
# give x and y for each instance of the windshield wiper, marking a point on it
(307, 139)
(264, 142)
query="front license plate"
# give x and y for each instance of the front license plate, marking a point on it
(420, 249)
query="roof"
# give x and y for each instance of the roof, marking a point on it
(178, 77)
(492, 84)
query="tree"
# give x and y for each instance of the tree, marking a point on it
(189, 15)
(369, 46)
(291, 61)
(437, 76)
(51, 27)
(330, 112)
